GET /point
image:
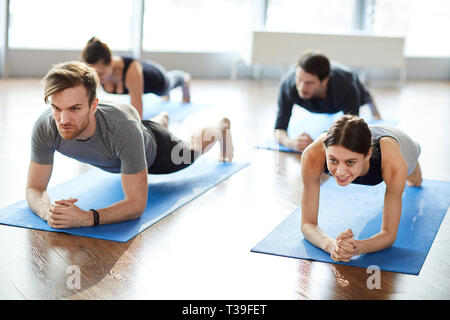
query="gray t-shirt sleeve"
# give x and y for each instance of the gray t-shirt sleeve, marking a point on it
(42, 140)
(130, 148)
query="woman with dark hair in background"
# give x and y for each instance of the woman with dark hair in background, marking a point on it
(353, 152)
(126, 75)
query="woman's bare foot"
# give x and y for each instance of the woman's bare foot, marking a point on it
(226, 144)
(415, 179)
(185, 88)
(162, 119)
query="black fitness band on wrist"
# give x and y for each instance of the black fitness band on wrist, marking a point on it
(96, 217)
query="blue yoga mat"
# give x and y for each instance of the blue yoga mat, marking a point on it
(98, 189)
(314, 124)
(360, 208)
(154, 105)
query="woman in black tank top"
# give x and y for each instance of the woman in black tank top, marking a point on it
(126, 75)
(348, 153)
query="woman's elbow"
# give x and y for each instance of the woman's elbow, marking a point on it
(390, 239)
(305, 227)
(302, 228)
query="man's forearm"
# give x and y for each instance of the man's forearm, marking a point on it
(120, 211)
(373, 108)
(282, 137)
(39, 202)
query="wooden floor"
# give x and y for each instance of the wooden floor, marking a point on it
(202, 251)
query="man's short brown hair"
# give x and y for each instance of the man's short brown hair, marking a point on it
(68, 75)
(316, 63)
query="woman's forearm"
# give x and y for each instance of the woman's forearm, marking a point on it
(317, 237)
(380, 241)
(392, 211)
(136, 101)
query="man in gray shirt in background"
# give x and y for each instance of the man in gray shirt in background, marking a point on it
(111, 137)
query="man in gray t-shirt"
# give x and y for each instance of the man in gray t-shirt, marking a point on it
(109, 136)
(120, 143)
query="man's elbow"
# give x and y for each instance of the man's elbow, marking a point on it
(28, 192)
(281, 136)
(137, 211)
(32, 193)
(277, 132)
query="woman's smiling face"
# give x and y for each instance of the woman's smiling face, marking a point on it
(346, 165)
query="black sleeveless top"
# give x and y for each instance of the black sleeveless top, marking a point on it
(155, 80)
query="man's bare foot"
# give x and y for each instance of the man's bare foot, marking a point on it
(162, 119)
(185, 87)
(415, 179)
(227, 149)
(165, 98)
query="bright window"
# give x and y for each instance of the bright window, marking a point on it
(318, 16)
(69, 24)
(197, 25)
(424, 24)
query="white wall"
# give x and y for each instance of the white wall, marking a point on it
(428, 68)
(36, 63)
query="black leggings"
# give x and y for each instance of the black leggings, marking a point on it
(172, 154)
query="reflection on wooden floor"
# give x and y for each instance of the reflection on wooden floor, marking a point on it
(202, 251)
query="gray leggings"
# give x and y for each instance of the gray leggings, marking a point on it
(158, 80)
(173, 79)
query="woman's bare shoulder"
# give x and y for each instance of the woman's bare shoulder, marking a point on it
(313, 157)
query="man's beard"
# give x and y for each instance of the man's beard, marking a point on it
(73, 131)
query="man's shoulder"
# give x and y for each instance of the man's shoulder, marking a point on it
(338, 70)
(342, 78)
(118, 119)
(116, 111)
(45, 116)
(116, 106)
(45, 123)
